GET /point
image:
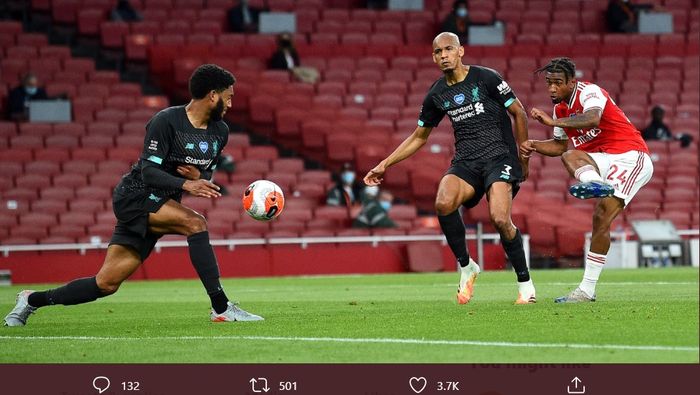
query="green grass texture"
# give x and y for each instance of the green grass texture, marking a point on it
(641, 316)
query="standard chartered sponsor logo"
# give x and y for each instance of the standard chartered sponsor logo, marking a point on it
(468, 111)
(203, 162)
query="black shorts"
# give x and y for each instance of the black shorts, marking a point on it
(482, 173)
(131, 210)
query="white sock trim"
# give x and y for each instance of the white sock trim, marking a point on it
(587, 173)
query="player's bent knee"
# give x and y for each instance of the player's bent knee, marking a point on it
(444, 206)
(195, 223)
(107, 287)
(501, 222)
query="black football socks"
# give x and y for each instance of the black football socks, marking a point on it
(78, 291)
(453, 228)
(204, 262)
(516, 256)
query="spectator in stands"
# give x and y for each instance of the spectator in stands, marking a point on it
(287, 58)
(125, 12)
(620, 17)
(347, 192)
(457, 21)
(375, 212)
(658, 130)
(243, 18)
(370, 192)
(19, 97)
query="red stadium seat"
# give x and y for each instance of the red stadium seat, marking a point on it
(69, 181)
(289, 165)
(25, 233)
(86, 205)
(42, 167)
(82, 155)
(35, 129)
(61, 193)
(136, 44)
(103, 128)
(83, 167)
(97, 141)
(112, 34)
(39, 220)
(61, 234)
(33, 181)
(542, 237)
(247, 224)
(81, 219)
(52, 154)
(49, 206)
(253, 165)
(94, 193)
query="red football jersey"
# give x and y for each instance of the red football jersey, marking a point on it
(615, 134)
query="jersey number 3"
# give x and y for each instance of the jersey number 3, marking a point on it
(620, 177)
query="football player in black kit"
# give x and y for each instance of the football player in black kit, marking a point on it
(478, 103)
(182, 143)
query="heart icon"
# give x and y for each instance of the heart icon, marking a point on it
(417, 384)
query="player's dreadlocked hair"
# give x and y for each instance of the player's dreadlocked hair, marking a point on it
(559, 65)
(209, 77)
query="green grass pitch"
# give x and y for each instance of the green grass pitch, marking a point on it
(641, 316)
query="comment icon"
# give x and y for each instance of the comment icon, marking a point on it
(101, 383)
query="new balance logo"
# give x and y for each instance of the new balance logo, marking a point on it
(503, 88)
(479, 108)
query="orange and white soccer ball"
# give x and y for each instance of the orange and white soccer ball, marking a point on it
(263, 200)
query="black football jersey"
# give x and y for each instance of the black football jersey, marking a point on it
(477, 108)
(170, 141)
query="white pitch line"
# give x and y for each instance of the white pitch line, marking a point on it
(358, 286)
(367, 340)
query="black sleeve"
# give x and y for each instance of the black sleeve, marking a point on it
(156, 145)
(154, 176)
(498, 89)
(277, 61)
(40, 94)
(430, 116)
(15, 102)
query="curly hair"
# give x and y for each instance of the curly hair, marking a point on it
(559, 65)
(209, 77)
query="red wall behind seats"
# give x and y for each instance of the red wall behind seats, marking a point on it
(243, 261)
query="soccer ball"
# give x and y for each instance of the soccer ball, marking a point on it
(263, 200)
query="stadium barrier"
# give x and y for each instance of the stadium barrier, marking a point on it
(249, 257)
(624, 250)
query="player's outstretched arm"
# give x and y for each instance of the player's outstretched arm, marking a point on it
(407, 148)
(519, 115)
(551, 147)
(587, 120)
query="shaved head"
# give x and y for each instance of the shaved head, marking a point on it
(447, 53)
(446, 38)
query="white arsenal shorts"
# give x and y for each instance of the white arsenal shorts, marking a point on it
(626, 172)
